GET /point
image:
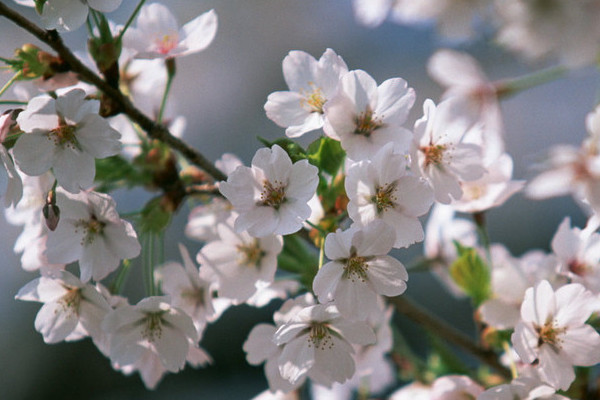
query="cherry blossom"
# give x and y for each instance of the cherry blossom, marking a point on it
(364, 116)
(157, 33)
(312, 83)
(553, 332)
(454, 387)
(64, 135)
(71, 310)
(91, 232)
(521, 388)
(440, 151)
(271, 197)
(382, 189)
(359, 270)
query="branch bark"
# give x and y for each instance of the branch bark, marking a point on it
(154, 130)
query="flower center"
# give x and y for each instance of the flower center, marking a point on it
(319, 336)
(550, 334)
(366, 124)
(194, 296)
(64, 135)
(153, 329)
(384, 197)
(273, 194)
(166, 43)
(577, 267)
(355, 267)
(313, 100)
(91, 229)
(70, 301)
(251, 254)
(434, 154)
(474, 192)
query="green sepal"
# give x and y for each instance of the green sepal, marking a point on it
(326, 154)
(39, 5)
(297, 257)
(154, 218)
(471, 274)
(116, 172)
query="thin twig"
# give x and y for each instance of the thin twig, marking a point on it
(447, 332)
(154, 130)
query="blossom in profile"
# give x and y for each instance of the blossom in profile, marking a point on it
(522, 388)
(66, 135)
(364, 117)
(272, 196)
(360, 269)
(157, 33)
(312, 83)
(72, 309)
(441, 151)
(90, 231)
(553, 332)
(11, 186)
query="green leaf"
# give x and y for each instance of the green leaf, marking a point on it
(294, 150)
(298, 258)
(154, 218)
(114, 172)
(471, 274)
(39, 5)
(327, 154)
(442, 361)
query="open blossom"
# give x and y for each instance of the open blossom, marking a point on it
(11, 186)
(271, 197)
(239, 262)
(157, 33)
(535, 29)
(153, 329)
(65, 135)
(312, 83)
(316, 343)
(522, 388)
(382, 189)
(72, 309)
(68, 15)
(364, 117)
(454, 387)
(441, 152)
(360, 269)
(553, 332)
(90, 231)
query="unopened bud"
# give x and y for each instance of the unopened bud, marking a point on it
(52, 215)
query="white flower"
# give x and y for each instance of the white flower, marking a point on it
(578, 253)
(382, 189)
(412, 391)
(239, 262)
(316, 343)
(66, 135)
(272, 196)
(440, 151)
(359, 270)
(553, 332)
(364, 116)
(157, 33)
(454, 387)
(190, 290)
(11, 187)
(151, 326)
(371, 13)
(521, 388)
(534, 29)
(312, 83)
(71, 309)
(204, 219)
(68, 15)
(91, 232)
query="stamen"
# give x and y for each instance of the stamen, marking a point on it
(366, 124)
(434, 154)
(313, 100)
(273, 194)
(319, 336)
(153, 328)
(251, 254)
(384, 197)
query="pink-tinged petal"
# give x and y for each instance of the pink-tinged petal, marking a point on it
(97, 138)
(338, 244)
(574, 305)
(74, 169)
(42, 290)
(499, 314)
(172, 346)
(122, 240)
(546, 184)
(327, 280)
(452, 68)
(555, 369)
(395, 99)
(387, 276)
(287, 332)
(356, 332)
(354, 298)
(72, 106)
(34, 153)
(414, 196)
(581, 345)
(199, 33)
(40, 114)
(303, 181)
(64, 14)
(104, 5)
(276, 382)
(260, 346)
(92, 310)
(339, 117)
(371, 13)
(408, 229)
(64, 244)
(299, 70)
(361, 87)
(374, 239)
(330, 68)
(157, 18)
(55, 321)
(444, 185)
(285, 109)
(539, 304)
(525, 342)
(296, 359)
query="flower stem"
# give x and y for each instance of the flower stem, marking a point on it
(10, 82)
(130, 20)
(479, 218)
(13, 102)
(171, 70)
(121, 278)
(513, 86)
(448, 333)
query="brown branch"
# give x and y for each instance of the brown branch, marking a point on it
(448, 333)
(154, 130)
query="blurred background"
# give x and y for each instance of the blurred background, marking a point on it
(221, 92)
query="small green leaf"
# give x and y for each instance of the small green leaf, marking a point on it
(294, 150)
(154, 218)
(39, 5)
(114, 172)
(327, 154)
(471, 274)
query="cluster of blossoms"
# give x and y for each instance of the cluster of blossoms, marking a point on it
(313, 227)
